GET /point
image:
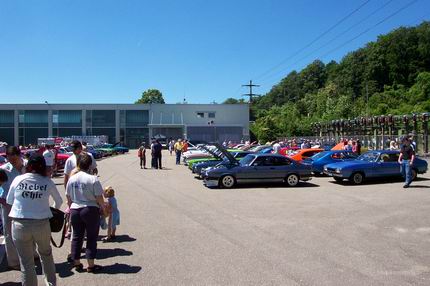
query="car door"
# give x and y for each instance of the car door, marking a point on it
(282, 167)
(387, 165)
(262, 169)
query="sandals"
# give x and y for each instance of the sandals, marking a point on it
(79, 267)
(94, 269)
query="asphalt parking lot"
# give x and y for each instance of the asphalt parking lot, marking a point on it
(175, 231)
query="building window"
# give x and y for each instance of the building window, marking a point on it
(200, 115)
(211, 114)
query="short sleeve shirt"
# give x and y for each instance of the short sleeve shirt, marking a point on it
(71, 163)
(83, 189)
(407, 152)
(12, 173)
(49, 158)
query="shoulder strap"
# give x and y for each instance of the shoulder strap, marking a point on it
(63, 233)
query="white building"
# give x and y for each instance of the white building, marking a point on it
(22, 124)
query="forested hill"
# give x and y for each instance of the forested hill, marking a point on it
(394, 71)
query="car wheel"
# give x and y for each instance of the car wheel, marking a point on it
(337, 179)
(414, 174)
(227, 181)
(356, 178)
(292, 180)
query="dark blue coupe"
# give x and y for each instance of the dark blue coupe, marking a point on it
(318, 161)
(373, 164)
(257, 168)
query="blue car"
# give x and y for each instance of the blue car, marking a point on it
(319, 160)
(373, 164)
(257, 168)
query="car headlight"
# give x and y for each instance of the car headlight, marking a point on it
(325, 169)
(337, 171)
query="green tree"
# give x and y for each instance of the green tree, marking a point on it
(232, 100)
(151, 96)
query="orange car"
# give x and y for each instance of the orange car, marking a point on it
(302, 154)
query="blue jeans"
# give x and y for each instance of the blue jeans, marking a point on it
(178, 157)
(407, 171)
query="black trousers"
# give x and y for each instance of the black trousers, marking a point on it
(143, 161)
(85, 220)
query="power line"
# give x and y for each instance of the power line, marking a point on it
(316, 39)
(368, 29)
(250, 94)
(334, 38)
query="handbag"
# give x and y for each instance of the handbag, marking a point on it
(57, 223)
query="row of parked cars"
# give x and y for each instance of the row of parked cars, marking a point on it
(226, 168)
(63, 153)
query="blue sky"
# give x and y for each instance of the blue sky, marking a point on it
(110, 51)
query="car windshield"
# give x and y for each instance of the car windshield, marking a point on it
(245, 161)
(319, 155)
(369, 157)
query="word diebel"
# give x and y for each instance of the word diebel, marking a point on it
(32, 191)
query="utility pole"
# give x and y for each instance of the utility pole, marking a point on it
(250, 94)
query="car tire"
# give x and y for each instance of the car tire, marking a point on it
(227, 182)
(357, 178)
(337, 179)
(292, 180)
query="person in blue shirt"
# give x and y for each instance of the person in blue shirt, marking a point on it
(114, 217)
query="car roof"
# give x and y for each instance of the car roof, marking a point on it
(384, 151)
(267, 155)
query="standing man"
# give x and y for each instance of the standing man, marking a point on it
(276, 147)
(71, 164)
(406, 160)
(49, 156)
(141, 153)
(13, 168)
(178, 151)
(158, 148)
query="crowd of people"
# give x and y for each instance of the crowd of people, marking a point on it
(25, 190)
(177, 147)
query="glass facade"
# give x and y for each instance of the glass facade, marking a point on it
(101, 122)
(6, 126)
(134, 127)
(30, 135)
(33, 118)
(32, 124)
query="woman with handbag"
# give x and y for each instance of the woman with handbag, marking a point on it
(85, 199)
(29, 197)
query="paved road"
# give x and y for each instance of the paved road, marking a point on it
(177, 232)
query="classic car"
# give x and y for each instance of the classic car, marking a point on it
(302, 154)
(96, 154)
(257, 168)
(197, 168)
(372, 164)
(319, 160)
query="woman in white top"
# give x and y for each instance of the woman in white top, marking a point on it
(85, 198)
(29, 197)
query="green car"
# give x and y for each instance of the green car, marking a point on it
(214, 157)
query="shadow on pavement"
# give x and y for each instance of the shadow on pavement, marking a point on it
(119, 268)
(11, 284)
(251, 187)
(108, 253)
(122, 238)
(64, 269)
(379, 181)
